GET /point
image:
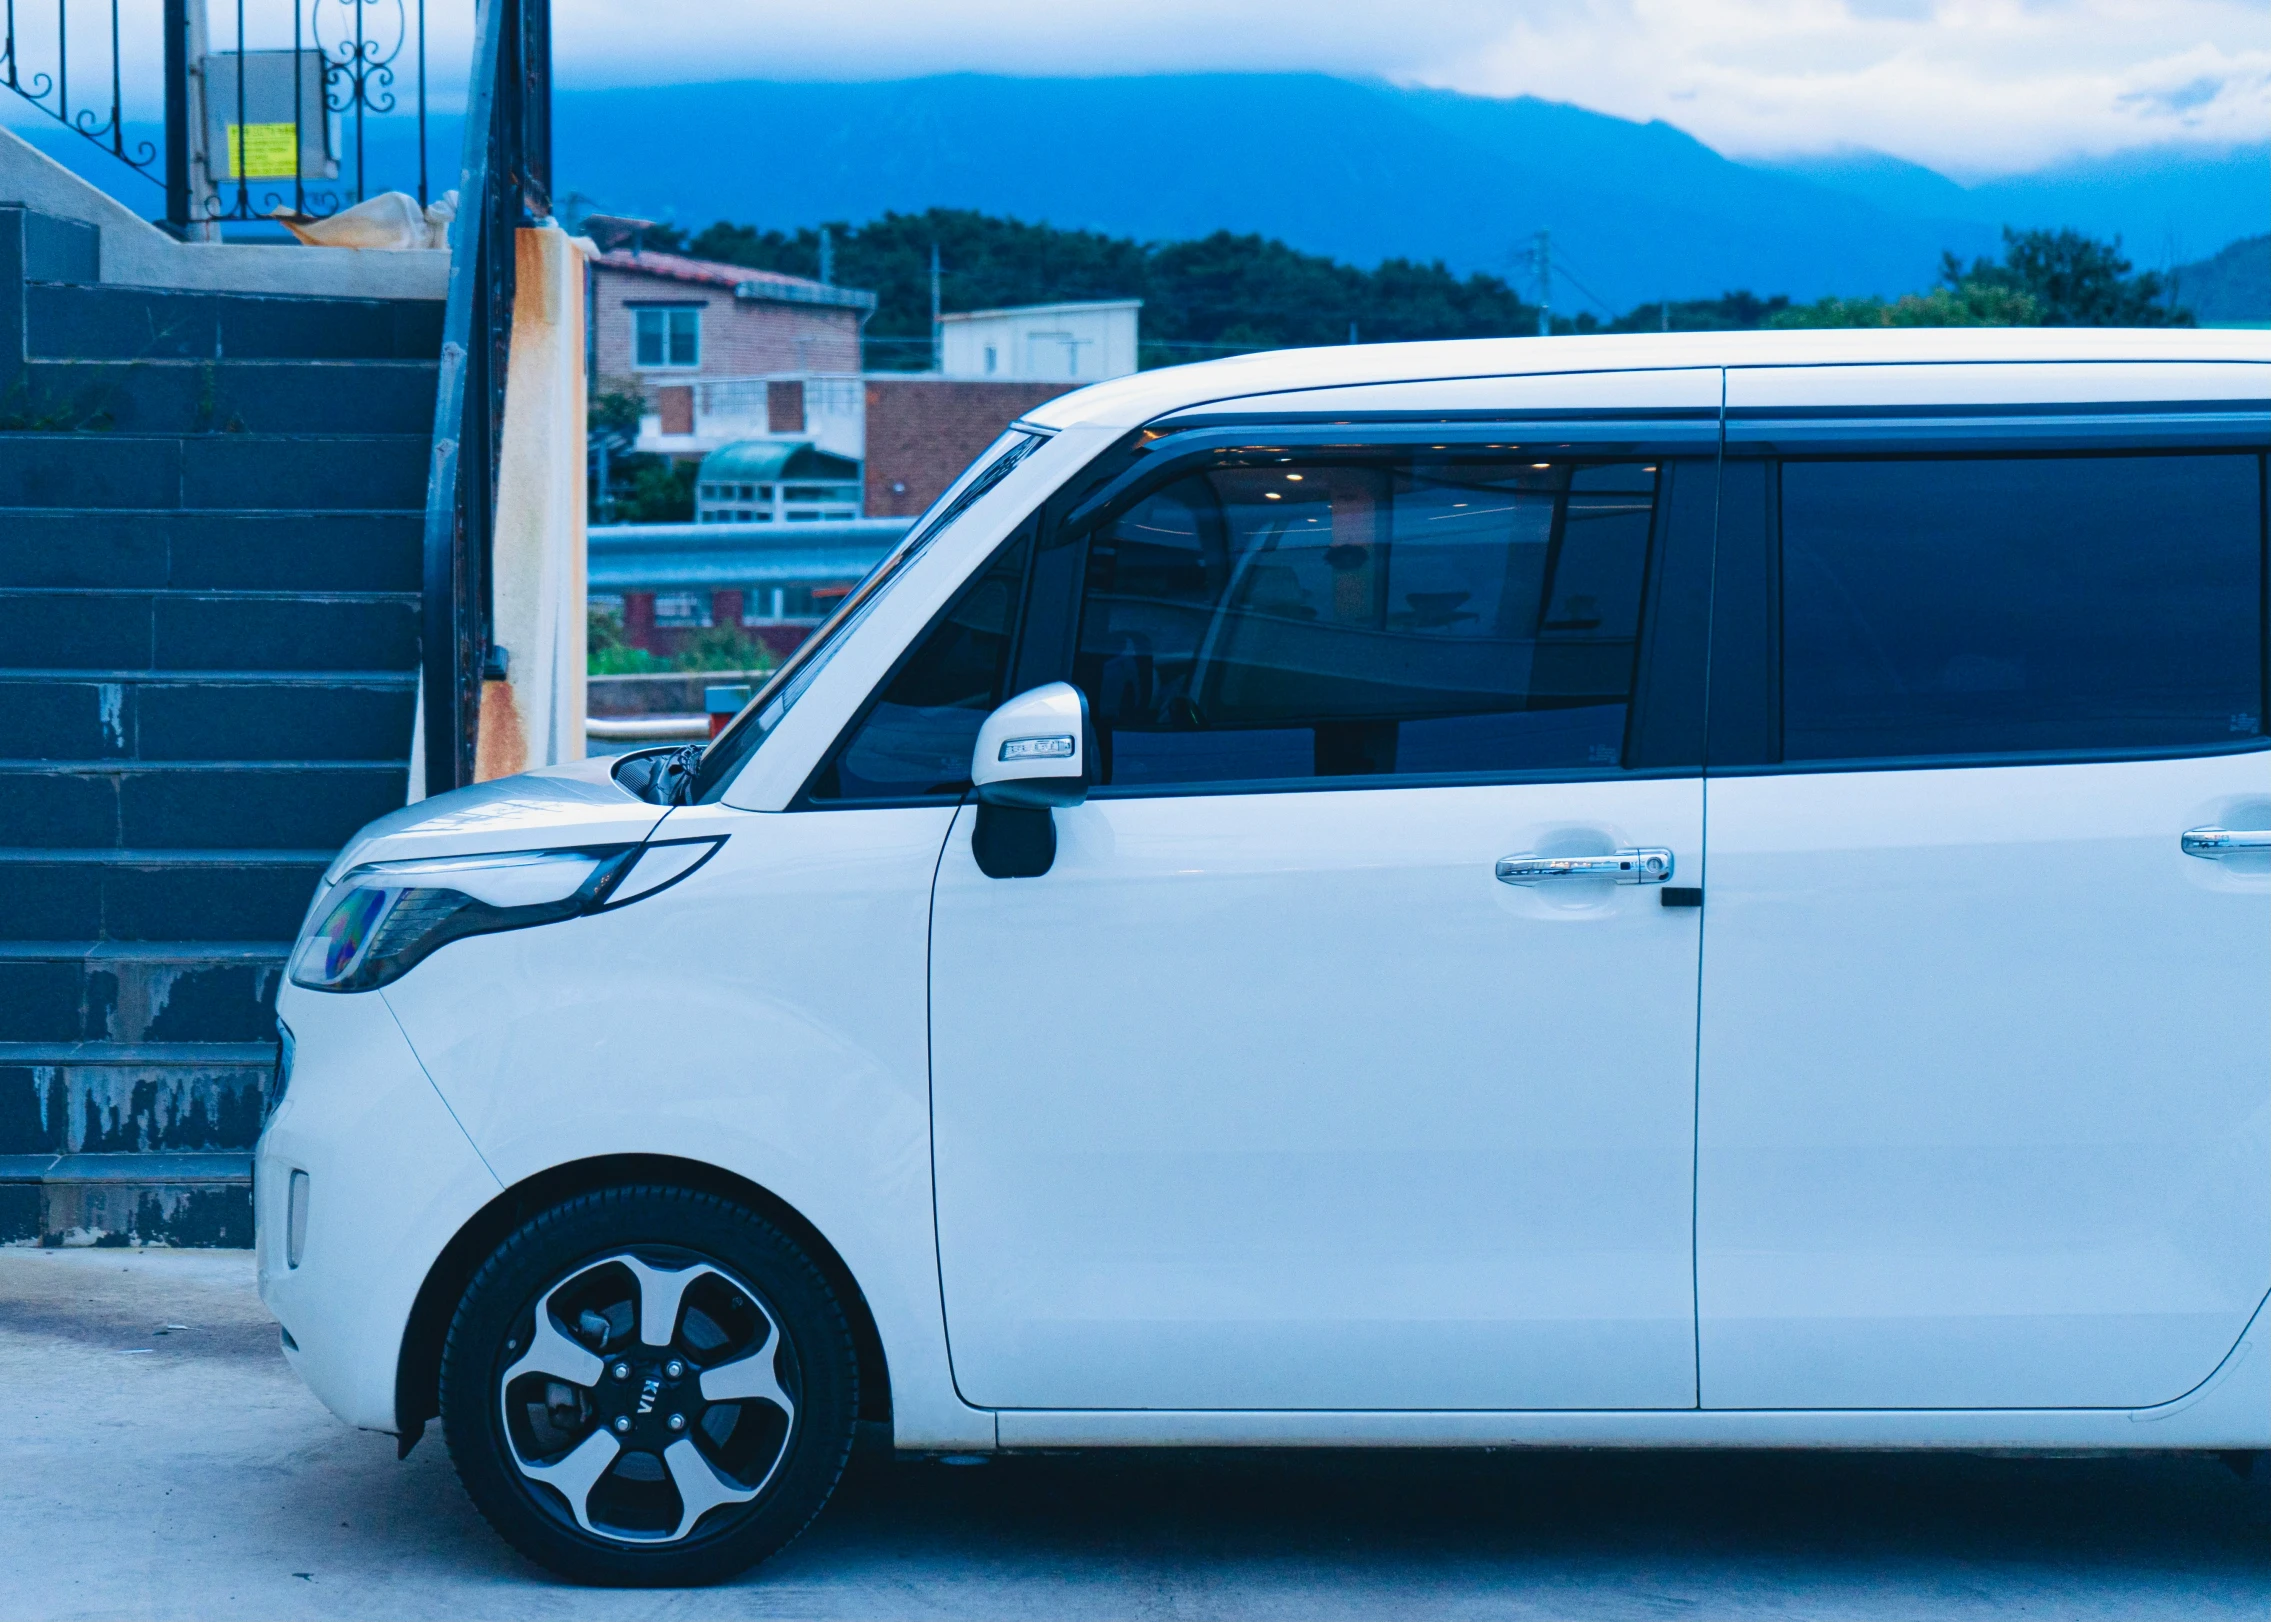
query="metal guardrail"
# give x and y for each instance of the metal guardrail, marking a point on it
(646, 728)
(633, 556)
(504, 183)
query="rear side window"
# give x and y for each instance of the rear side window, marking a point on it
(2021, 605)
(1402, 615)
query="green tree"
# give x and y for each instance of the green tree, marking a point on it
(607, 654)
(1971, 304)
(2073, 280)
(1214, 295)
(719, 647)
(2044, 279)
(616, 412)
(722, 647)
(1228, 292)
(1739, 311)
(653, 489)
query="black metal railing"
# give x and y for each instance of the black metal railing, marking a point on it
(251, 125)
(51, 92)
(504, 183)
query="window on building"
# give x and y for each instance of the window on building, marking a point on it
(667, 336)
(1401, 616)
(2020, 605)
(794, 604)
(682, 609)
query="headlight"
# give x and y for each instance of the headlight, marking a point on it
(383, 919)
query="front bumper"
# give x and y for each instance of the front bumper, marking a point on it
(391, 1179)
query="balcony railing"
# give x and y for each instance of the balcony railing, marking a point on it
(827, 408)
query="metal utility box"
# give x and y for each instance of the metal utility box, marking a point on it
(255, 140)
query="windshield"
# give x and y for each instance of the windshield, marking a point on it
(763, 714)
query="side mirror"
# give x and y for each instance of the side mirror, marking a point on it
(1033, 751)
(1032, 756)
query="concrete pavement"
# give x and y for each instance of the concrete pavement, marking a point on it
(156, 1471)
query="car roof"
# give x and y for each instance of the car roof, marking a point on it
(1145, 397)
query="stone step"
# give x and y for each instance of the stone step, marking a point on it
(119, 1098)
(75, 629)
(73, 992)
(226, 396)
(321, 471)
(110, 322)
(93, 715)
(284, 549)
(195, 804)
(156, 895)
(200, 1200)
(130, 1142)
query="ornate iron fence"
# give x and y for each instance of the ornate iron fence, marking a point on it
(504, 182)
(251, 125)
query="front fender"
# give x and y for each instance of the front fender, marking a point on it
(766, 1016)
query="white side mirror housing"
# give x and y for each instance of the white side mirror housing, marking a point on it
(1033, 751)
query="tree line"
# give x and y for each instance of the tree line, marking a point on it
(1229, 293)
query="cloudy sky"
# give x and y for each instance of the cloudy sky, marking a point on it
(1971, 87)
(1975, 88)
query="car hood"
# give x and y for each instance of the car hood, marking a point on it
(550, 808)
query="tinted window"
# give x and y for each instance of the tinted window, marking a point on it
(2020, 605)
(1295, 619)
(758, 720)
(916, 740)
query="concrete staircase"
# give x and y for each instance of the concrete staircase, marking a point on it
(210, 517)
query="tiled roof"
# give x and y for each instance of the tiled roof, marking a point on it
(744, 282)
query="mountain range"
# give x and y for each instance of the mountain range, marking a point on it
(1360, 171)
(1637, 211)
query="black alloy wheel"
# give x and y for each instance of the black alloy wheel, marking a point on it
(649, 1385)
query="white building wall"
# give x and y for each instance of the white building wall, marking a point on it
(1042, 343)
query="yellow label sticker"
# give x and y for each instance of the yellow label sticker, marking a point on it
(262, 151)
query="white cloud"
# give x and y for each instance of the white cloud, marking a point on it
(1973, 87)
(1968, 86)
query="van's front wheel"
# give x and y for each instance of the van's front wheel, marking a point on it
(649, 1385)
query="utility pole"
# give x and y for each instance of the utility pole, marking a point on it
(827, 257)
(1543, 253)
(937, 327)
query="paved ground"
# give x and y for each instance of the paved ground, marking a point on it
(184, 1472)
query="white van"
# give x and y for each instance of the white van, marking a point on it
(1707, 890)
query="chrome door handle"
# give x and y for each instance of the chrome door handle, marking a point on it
(2210, 843)
(1650, 864)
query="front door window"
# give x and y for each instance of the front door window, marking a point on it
(1412, 618)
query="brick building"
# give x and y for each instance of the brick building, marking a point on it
(923, 429)
(674, 329)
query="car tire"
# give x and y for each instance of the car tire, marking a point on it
(649, 1385)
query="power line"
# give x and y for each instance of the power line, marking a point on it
(1571, 277)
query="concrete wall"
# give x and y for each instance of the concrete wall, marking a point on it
(923, 430)
(136, 253)
(535, 717)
